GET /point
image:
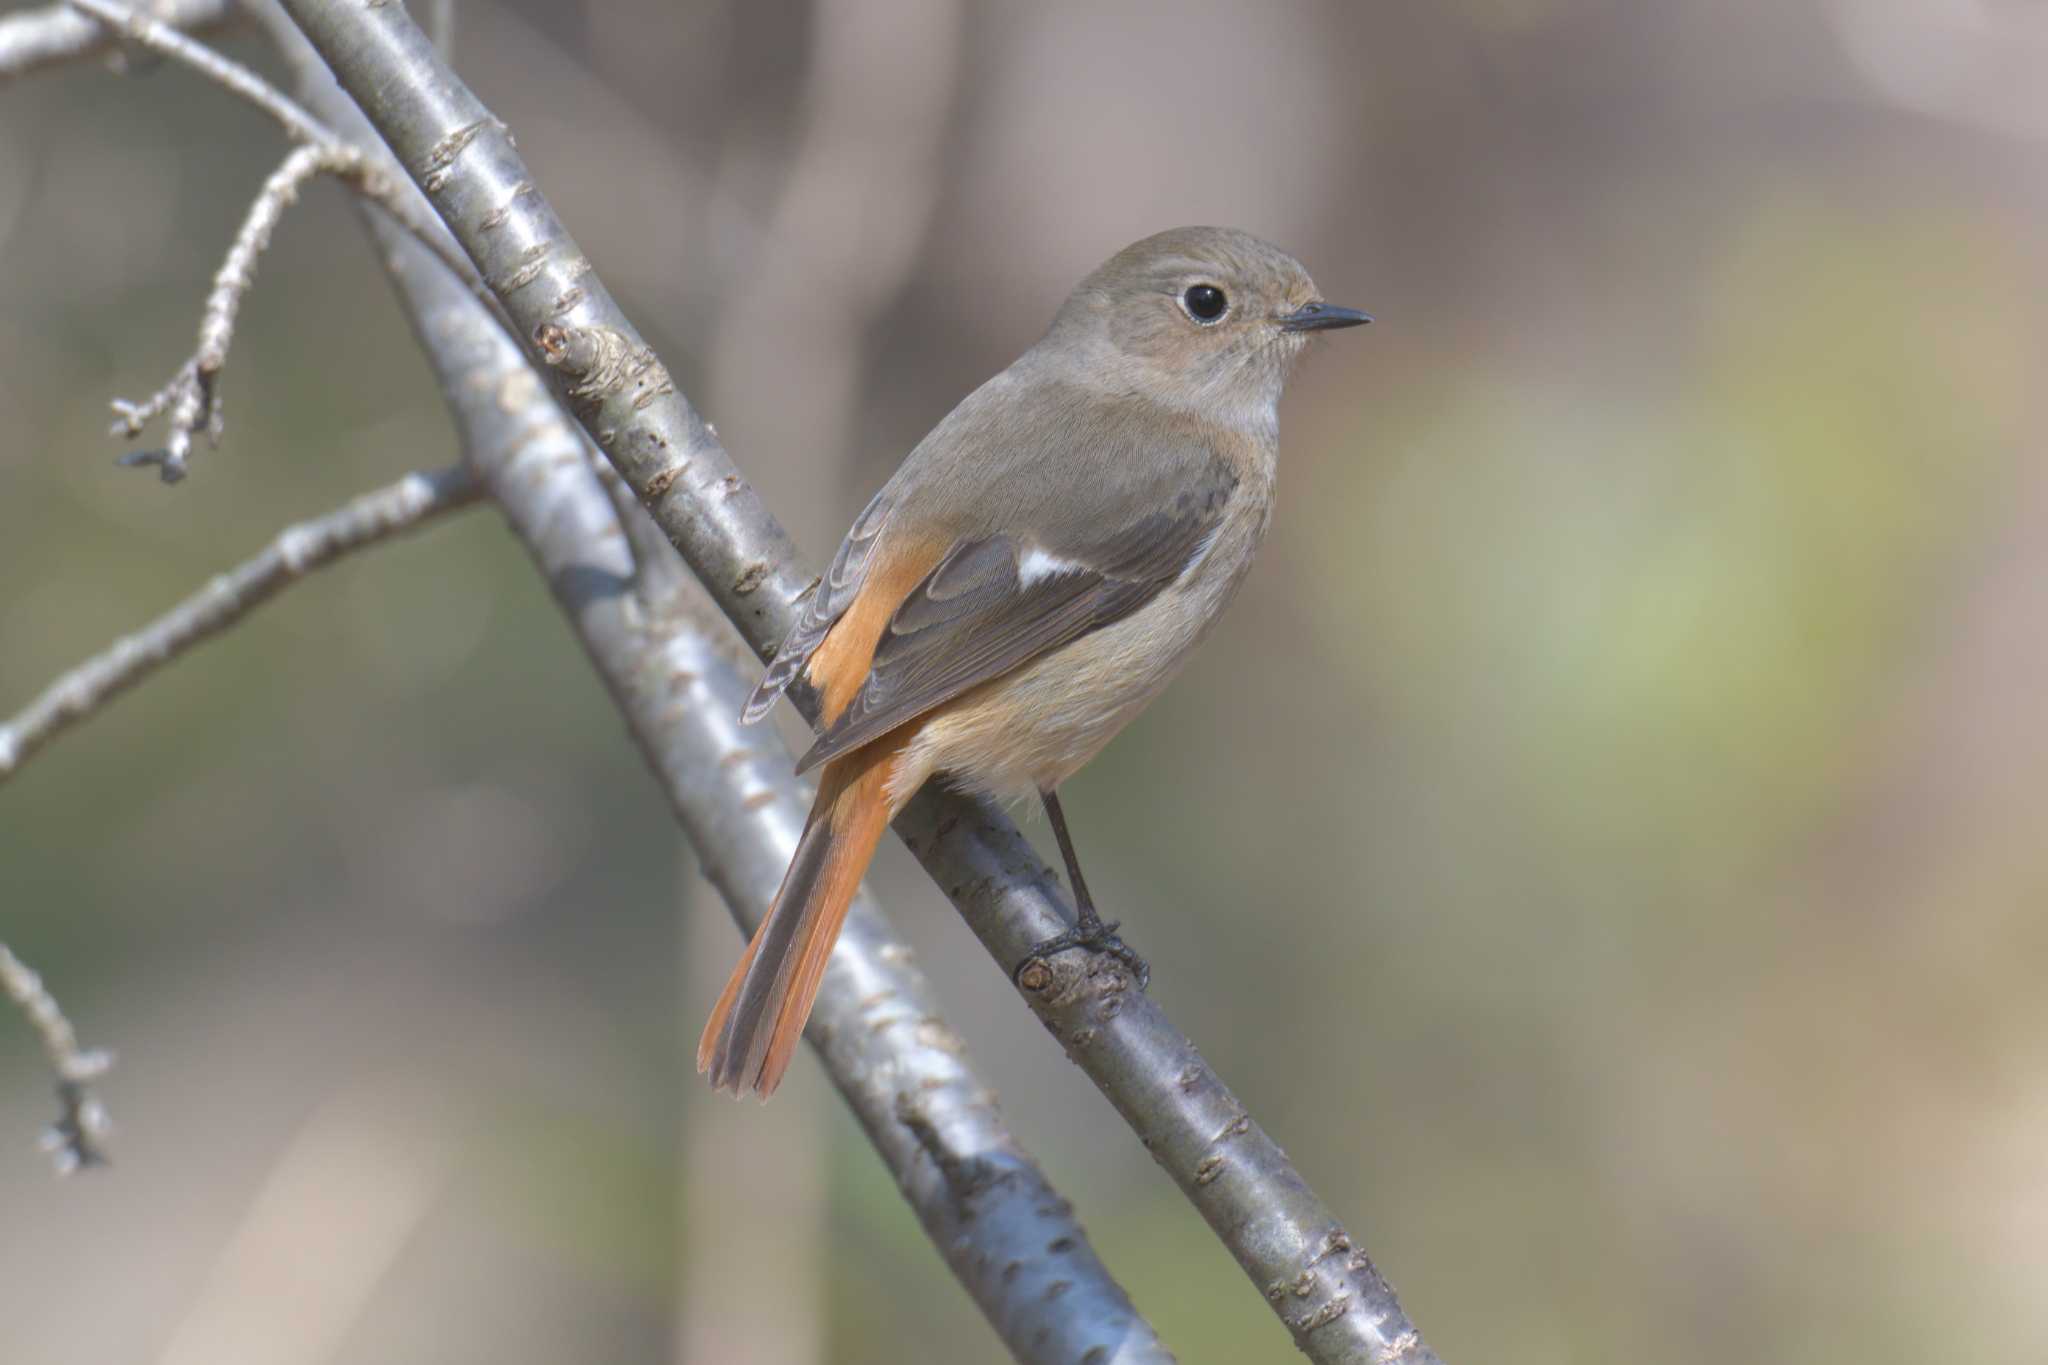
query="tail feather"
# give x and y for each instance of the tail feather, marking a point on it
(754, 1028)
(734, 1041)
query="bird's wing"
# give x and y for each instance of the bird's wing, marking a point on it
(834, 594)
(995, 602)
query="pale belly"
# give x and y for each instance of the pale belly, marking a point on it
(1030, 730)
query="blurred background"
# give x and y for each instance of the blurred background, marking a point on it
(1603, 844)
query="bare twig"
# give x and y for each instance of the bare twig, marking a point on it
(1317, 1279)
(37, 38)
(190, 397)
(1009, 1237)
(296, 551)
(73, 1141)
(137, 26)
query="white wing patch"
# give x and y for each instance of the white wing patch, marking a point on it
(1036, 565)
(1202, 551)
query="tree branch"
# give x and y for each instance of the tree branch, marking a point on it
(73, 1140)
(296, 551)
(33, 39)
(1319, 1282)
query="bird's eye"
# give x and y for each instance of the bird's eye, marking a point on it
(1204, 302)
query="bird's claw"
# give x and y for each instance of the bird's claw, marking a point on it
(1096, 936)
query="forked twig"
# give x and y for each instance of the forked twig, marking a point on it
(190, 398)
(73, 1141)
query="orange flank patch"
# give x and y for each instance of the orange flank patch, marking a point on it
(840, 664)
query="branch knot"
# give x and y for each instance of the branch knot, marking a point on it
(601, 363)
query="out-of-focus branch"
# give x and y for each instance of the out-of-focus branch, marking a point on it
(189, 398)
(36, 38)
(1009, 1237)
(879, 84)
(295, 552)
(1320, 1283)
(74, 1139)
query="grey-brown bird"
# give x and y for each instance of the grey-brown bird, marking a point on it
(1034, 573)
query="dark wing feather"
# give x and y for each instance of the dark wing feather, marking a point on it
(834, 594)
(973, 619)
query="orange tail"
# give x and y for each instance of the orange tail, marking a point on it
(755, 1026)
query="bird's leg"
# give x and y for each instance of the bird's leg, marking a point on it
(1089, 931)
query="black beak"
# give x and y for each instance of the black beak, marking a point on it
(1320, 316)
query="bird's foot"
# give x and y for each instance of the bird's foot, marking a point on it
(1096, 935)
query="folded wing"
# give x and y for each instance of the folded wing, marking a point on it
(829, 601)
(996, 602)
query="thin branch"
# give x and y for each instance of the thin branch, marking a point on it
(73, 1141)
(1316, 1278)
(1008, 1236)
(190, 397)
(33, 39)
(138, 27)
(295, 552)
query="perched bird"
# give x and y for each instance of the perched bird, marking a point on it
(1034, 573)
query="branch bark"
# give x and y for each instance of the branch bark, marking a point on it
(1318, 1281)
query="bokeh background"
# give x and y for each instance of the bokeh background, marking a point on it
(1604, 843)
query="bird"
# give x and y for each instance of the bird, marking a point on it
(1033, 574)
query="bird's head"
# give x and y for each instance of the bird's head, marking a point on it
(1200, 318)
